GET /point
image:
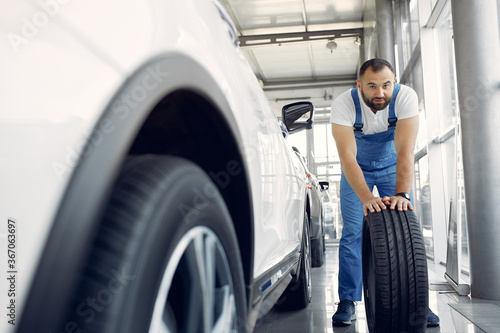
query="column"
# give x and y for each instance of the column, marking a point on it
(477, 50)
(385, 31)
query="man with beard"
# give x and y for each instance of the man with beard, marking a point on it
(373, 151)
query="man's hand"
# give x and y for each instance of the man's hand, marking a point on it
(373, 204)
(403, 204)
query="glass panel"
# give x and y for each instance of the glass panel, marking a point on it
(322, 138)
(423, 203)
(448, 153)
(415, 80)
(410, 29)
(328, 169)
(449, 119)
(422, 195)
(462, 213)
(446, 63)
(414, 24)
(298, 140)
(422, 131)
(405, 33)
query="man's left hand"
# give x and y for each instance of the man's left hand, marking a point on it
(401, 203)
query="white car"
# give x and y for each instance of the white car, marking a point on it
(328, 211)
(316, 214)
(145, 184)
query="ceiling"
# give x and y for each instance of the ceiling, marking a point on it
(285, 42)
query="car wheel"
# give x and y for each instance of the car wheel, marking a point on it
(166, 257)
(299, 292)
(395, 280)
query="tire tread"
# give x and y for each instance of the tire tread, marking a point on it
(401, 294)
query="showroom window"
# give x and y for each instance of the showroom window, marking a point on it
(409, 31)
(438, 164)
(328, 168)
(449, 129)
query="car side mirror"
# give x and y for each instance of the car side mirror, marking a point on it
(324, 186)
(298, 116)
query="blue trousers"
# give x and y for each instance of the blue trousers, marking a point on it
(350, 273)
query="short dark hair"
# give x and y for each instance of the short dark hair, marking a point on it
(376, 65)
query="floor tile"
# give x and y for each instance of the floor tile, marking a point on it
(458, 314)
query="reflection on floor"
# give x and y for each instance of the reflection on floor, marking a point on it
(458, 314)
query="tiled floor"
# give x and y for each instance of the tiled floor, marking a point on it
(459, 314)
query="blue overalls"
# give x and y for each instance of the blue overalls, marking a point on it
(376, 155)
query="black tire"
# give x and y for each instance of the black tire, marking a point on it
(298, 294)
(395, 279)
(165, 255)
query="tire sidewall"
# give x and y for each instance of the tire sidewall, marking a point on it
(193, 202)
(394, 257)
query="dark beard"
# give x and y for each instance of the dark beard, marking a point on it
(374, 106)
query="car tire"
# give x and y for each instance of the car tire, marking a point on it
(166, 256)
(395, 279)
(298, 294)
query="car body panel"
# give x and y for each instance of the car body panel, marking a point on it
(42, 129)
(317, 222)
(316, 203)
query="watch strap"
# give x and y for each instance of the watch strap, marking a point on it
(404, 195)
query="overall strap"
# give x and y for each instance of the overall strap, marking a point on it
(358, 124)
(392, 115)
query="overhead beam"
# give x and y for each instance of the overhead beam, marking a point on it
(294, 37)
(309, 83)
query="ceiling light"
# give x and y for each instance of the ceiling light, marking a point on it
(357, 41)
(331, 45)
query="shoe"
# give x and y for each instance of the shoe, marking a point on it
(432, 319)
(346, 311)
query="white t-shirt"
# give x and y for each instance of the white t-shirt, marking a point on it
(344, 112)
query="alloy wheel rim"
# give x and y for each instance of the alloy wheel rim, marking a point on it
(197, 291)
(308, 267)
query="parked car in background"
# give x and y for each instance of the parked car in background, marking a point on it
(328, 212)
(316, 214)
(145, 180)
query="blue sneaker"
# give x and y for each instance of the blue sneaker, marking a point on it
(346, 311)
(432, 319)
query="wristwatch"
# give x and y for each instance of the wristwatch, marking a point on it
(404, 195)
